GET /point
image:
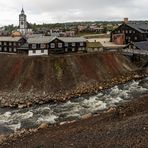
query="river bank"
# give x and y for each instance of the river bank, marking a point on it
(16, 123)
(123, 126)
(16, 99)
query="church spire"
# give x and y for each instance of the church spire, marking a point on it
(22, 12)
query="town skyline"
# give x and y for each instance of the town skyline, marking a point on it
(59, 12)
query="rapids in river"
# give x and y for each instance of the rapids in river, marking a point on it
(12, 120)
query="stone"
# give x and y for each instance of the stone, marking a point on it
(2, 139)
(86, 116)
(43, 126)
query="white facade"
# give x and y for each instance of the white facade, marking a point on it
(37, 52)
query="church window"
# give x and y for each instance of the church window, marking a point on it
(22, 23)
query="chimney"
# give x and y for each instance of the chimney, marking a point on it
(126, 20)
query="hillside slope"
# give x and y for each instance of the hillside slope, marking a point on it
(59, 74)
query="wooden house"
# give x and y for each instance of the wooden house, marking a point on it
(52, 45)
(10, 44)
(130, 32)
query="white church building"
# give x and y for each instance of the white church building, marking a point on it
(23, 24)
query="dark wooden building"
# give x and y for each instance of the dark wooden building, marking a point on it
(130, 32)
(52, 45)
(11, 44)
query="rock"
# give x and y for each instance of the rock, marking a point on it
(21, 106)
(43, 126)
(110, 110)
(2, 139)
(86, 116)
(100, 87)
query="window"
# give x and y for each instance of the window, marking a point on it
(14, 49)
(34, 51)
(0, 43)
(135, 38)
(42, 45)
(10, 49)
(130, 31)
(0, 48)
(33, 46)
(73, 44)
(118, 31)
(66, 50)
(42, 51)
(73, 49)
(5, 49)
(60, 45)
(66, 44)
(82, 44)
(52, 45)
(126, 31)
(133, 31)
(5, 43)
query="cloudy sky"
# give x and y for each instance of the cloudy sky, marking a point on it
(52, 11)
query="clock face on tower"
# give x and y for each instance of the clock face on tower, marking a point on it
(22, 18)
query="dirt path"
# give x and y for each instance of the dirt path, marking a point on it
(125, 127)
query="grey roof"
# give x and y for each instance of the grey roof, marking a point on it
(10, 39)
(38, 40)
(72, 39)
(141, 27)
(142, 45)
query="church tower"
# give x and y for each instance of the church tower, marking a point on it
(23, 23)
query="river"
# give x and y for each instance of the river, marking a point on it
(12, 120)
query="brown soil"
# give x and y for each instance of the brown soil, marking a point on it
(27, 80)
(123, 127)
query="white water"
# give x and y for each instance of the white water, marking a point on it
(71, 110)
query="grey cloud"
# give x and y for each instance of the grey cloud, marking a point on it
(50, 11)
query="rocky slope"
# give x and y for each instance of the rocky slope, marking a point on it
(24, 80)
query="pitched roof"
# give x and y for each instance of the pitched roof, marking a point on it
(72, 39)
(39, 40)
(10, 39)
(141, 27)
(142, 45)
